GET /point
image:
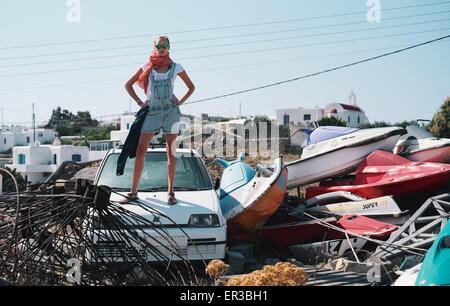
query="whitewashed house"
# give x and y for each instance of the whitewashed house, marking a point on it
(350, 112)
(36, 162)
(11, 136)
(125, 123)
(127, 120)
(299, 116)
(231, 125)
(98, 148)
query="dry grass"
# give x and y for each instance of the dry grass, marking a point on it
(217, 268)
(281, 274)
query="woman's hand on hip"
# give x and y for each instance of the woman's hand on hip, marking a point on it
(176, 101)
(144, 104)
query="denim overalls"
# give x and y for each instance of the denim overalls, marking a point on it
(162, 113)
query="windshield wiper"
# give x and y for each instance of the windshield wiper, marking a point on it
(189, 189)
(120, 189)
(154, 189)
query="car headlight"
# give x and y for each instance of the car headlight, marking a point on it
(204, 220)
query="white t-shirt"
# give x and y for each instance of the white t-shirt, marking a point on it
(161, 76)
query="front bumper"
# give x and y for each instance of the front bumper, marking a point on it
(163, 244)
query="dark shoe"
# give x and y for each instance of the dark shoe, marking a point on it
(171, 199)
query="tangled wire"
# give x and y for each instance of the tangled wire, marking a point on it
(48, 238)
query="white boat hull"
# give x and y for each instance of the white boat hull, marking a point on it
(338, 156)
(383, 209)
(409, 277)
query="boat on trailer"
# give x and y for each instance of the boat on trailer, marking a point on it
(339, 155)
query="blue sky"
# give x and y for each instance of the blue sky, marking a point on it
(90, 75)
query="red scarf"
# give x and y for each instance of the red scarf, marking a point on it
(155, 61)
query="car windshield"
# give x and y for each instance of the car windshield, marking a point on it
(191, 174)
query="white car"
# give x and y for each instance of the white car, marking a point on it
(196, 225)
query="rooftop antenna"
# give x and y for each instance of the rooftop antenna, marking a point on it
(34, 126)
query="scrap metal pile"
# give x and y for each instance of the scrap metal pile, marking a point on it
(49, 237)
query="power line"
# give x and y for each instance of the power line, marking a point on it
(310, 28)
(63, 84)
(310, 75)
(213, 68)
(226, 54)
(222, 27)
(203, 47)
(321, 72)
(319, 44)
(301, 58)
(317, 35)
(231, 44)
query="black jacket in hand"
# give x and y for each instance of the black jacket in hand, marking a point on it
(130, 146)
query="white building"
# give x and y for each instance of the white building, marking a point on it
(36, 162)
(98, 148)
(125, 123)
(231, 125)
(351, 113)
(299, 116)
(11, 136)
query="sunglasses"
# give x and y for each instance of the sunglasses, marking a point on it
(164, 46)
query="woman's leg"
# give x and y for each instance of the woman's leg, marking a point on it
(171, 160)
(144, 141)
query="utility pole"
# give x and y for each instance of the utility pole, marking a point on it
(2, 119)
(240, 106)
(34, 126)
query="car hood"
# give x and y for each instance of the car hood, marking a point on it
(151, 204)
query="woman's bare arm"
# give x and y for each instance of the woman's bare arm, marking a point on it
(183, 75)
(129, 87)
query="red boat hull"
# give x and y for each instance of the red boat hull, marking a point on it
(384, 173)
(438, 155)
(285, 235)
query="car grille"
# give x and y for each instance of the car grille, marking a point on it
(114, 251)
(201, 249)
(122, 251)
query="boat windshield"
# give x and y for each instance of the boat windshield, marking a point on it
(191, 174)
(416, 132)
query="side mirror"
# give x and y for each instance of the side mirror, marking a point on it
(217, 184)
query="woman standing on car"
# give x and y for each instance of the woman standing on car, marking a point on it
(157, 78)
